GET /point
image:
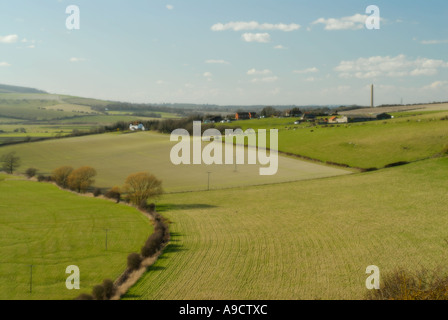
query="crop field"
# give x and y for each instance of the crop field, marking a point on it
(52, 229)
(115, 156)
(301, 240)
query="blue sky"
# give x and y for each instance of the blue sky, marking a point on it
(228, 52)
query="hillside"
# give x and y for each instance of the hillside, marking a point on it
(15, 89)
(52, 229)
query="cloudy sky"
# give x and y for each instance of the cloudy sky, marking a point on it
(228, 52)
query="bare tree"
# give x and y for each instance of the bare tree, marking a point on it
(81, 179)
(141, 186)
(10, 162)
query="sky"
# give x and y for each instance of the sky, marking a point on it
(244, 52)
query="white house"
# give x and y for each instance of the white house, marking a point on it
(136, 127)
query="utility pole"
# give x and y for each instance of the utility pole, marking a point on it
(372, 105)
(208, 180)
(31, 278)
(106, 237)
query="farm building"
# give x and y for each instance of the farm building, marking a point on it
(335, 119)
(360, 118)
(308, 116)
(383, 116)
(245, 115)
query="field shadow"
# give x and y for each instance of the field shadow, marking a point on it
(173, 207)
(172, 248)
(155, 268)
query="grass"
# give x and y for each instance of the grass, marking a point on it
(52, 229)
(301, 240)
(115, 156)
(363, 145)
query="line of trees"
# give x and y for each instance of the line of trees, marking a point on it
(79, 180)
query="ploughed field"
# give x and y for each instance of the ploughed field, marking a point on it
(302, 240)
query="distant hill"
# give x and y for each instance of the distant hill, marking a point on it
(15, 89)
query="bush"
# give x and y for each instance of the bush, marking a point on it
(109, 289)
(405, 285)
(84, 296)
(134, 261)
(98, 292)
(81, 179)
(60, 176)
(114, 193)
(97, 192)
(30, 172)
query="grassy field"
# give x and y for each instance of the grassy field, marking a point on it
(52, 229)
(365, 145)
(115, 156)
(301, 240)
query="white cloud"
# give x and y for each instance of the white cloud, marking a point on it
(434, 41)
(399, 66)
(259, 72)
(256, 37)
(436, 85)
(161, 82)
(265, 79)
(77, 59)
(212, 61)
(305, 71)
(169, 7)
(279, 47)
(12, 38)
(4, 64)
(254, 25)
(207, 74)
(354, 22)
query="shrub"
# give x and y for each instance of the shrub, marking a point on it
(84, 296)
(405, 285)
(98, 292)
(134, 261)
(114, 193)
(40, 178)
(30, 172)
(109, 289)
(60, 176)
(81, 179)
(97, 192)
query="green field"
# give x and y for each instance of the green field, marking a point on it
(52, 229)
(364, 145)
(301, 240)
(115, 156)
